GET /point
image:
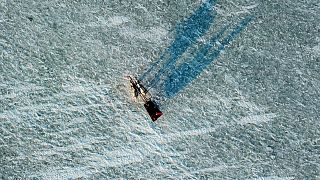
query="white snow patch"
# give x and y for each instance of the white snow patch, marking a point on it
(214, 169)
(257, 119)
(117, 20)
(239, 10)
(114, 161)
(63, 173)
(110, 22)
(316, 49)
(273, 178)
(250, 7)
(155, 34)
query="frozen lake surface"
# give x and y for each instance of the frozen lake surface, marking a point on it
(237, 81)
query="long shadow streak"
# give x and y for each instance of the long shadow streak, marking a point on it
(188, 71)
(187, 32)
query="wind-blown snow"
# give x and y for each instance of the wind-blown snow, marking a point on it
(66, 111)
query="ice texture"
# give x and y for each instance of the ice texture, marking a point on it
(66, 111)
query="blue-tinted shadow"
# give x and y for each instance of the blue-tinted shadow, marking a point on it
(181, 76)
(187, 32)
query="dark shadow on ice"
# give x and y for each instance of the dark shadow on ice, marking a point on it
(187, 32)
(165, 76)
(188, 71)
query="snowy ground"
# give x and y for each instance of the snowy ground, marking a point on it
(66, 113)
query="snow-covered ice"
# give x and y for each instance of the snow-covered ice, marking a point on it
(252, 112)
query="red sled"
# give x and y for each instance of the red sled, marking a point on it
(153, 110)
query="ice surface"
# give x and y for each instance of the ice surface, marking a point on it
(66, 112)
